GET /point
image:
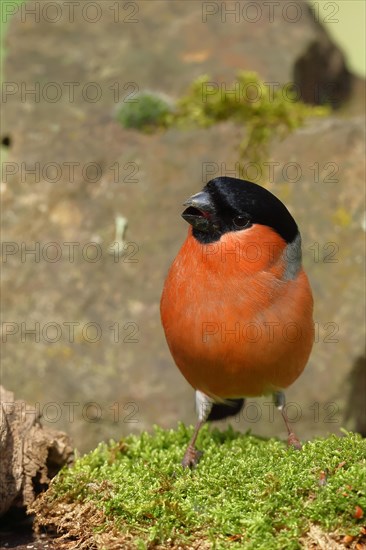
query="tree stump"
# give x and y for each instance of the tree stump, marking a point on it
(30, 454)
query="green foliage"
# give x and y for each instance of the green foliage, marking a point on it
(145, 112)
(245, 490)
(264, 110)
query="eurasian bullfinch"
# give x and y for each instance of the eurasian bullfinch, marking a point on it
(237, 308)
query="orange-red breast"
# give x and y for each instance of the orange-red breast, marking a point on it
(237, 306)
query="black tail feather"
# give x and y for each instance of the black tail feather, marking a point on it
(230, 407)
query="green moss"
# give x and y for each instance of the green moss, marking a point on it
(245, 489)
(145, 112)
(263, 110)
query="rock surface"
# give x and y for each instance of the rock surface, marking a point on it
(96, 364)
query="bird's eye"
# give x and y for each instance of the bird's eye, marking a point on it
(241, 222)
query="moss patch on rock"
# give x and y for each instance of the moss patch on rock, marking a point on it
(246, 492)
(264, 110)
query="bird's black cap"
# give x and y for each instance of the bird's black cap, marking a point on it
(230, 204)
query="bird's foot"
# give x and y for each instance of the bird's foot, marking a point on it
(292, 441)
(191, 457)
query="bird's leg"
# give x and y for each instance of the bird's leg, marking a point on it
(203, 407)
(192, 455)
(280, 402)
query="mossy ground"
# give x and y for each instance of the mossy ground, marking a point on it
(246, 492)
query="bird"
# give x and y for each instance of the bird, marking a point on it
(237, 306)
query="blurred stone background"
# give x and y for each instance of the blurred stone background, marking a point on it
(89, 170)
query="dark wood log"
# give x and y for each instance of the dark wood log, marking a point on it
(30, 454)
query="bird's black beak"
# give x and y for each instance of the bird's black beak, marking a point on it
(200, 211)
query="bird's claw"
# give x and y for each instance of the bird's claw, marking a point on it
(292, 441)
(191, 457)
